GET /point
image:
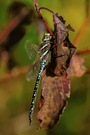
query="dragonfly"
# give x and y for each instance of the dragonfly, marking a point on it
(53, 58)
(39, 64)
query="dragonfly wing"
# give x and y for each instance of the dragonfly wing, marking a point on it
(33, 70)
(32, 50)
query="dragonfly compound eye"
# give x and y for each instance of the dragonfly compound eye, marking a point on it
(46, 37)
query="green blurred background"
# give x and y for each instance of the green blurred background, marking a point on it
(16, 92)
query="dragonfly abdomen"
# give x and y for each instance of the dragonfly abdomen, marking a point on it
(42, 65)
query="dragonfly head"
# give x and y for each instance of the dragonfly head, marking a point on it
(46, 37)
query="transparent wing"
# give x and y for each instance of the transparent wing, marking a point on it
(38, 54)
(33, 70)
(32, 50)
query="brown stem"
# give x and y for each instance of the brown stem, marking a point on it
(14, 73)
(87, 8)
(87, 71)
(44, 21)
(81, 32)
(20, 71)
(82, 52)
(13, 24)
(84, 25)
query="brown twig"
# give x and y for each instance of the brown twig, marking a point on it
(87, 8)
(87, 71)
(39, 13)
(14, 73)
(13, 24)
(81, 32)
(84, 25)
(20, 71)
(82, 52)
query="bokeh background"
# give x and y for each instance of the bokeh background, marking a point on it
(16, 91)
